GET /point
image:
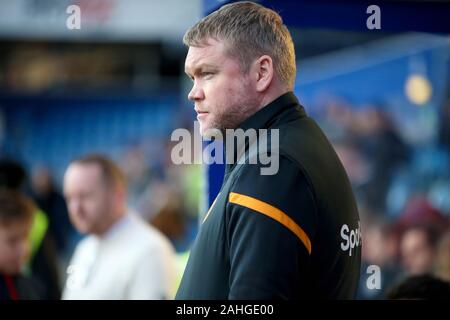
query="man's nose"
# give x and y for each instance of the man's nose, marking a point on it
(196, 93)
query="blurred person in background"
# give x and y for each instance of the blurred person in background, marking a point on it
(355, 164)
(420, 287)
(170, 217)
(420, 226)
(375, 136)
(42, 264)
(444, 126)
(419, 210)
(168, 211)
(442, 264)
(418, 249)
(383, 145)
(139, 177)
(379, 249)
(16, 221)
(51, 201)
(123, 257)
(164, 195)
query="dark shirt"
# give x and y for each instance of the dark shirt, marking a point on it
(20, 287)
(294, 234)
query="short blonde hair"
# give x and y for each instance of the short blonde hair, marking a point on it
(249, 30)
(111, 173)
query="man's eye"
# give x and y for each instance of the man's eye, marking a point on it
(207, 74)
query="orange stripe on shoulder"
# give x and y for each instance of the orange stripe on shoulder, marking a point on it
(272, 212)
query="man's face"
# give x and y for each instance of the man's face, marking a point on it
(89, 200)
(223, 94)
(417, 254)
(14, 246)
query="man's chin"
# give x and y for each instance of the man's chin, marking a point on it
(83, 228)
(211, 133)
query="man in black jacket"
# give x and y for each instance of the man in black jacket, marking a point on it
(290, 233)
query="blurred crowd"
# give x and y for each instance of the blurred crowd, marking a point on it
(402, 190)
(404, 209)
(406, 234)
(159, 194)
(403, 200)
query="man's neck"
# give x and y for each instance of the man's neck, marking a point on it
(114, 220)
(271, 95)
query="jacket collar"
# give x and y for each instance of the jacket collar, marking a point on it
(265, 118)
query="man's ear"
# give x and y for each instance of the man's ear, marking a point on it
(264, 72)
(119, 195)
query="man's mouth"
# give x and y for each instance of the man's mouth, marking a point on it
(201, 114)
